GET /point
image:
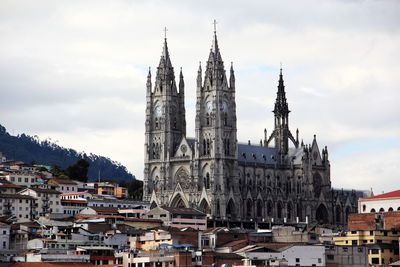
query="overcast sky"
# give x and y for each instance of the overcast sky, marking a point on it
(75, 72)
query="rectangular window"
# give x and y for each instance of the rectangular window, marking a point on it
(26, 180)
(374, 251)
(297, 259)
(330, 257)
(371, 232)
(375, 260)
(19, 179)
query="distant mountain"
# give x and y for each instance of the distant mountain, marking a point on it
(27, 148)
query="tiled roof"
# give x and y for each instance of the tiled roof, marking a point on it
(108, 210)
(51, 264)
(188, 211)
(9, 185)
(73, 193)
(62, 181)
(393, 194)
(16, 196)
(47, 191)
(88, 216)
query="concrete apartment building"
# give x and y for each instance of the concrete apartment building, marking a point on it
(21, 206)
(382, 245)
(344, 256)
(47, 200)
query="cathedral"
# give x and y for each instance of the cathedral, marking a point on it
(278, 180)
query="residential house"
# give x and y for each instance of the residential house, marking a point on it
(63, 185)
(179, 217)
(47, 200)
(22, 207)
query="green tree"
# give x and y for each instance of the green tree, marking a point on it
(135, 189)
(78, 170)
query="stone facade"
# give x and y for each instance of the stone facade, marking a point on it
(231, 181)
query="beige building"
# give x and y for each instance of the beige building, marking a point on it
(21, 206)
(179, 217)
(383, 246)
(47, 200)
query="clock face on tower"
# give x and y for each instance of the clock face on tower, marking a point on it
(225, 107)
(209, 106)
(157, 111)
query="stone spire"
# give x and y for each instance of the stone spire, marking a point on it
(281, 106)
(181, 83)
(148, 84)
(215, 75)
(281, 112)
(165, 78)
(232, 78)
(199, 77)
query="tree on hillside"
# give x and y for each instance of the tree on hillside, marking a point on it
(78, 170)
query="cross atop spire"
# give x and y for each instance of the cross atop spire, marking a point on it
(165, 32)
(214, 47)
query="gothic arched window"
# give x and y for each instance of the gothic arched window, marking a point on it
(225, 119)
(207, 184)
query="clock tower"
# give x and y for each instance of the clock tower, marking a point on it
(215, 141)
(165, 124)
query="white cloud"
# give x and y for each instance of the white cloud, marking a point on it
(76, 71)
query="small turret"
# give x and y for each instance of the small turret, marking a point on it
(148, 84)
(232, 78)
(199, 77)
(181, 83)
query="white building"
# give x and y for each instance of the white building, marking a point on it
(64, 185)
(4, 236)
(21, 206)
(291, 254)
(23, 178)
(47, 200)
(118, 203)
(76, 196)
(380, 203)
(2, 157)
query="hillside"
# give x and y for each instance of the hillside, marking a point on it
(27, 148)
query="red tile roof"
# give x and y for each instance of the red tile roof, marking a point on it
(393, 194)
(51, 264)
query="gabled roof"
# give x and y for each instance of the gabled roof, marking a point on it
(389, 195)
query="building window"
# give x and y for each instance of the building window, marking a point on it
(375, 260)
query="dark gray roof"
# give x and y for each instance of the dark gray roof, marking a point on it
(257, 154)
(261, 154)
(190, 142)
